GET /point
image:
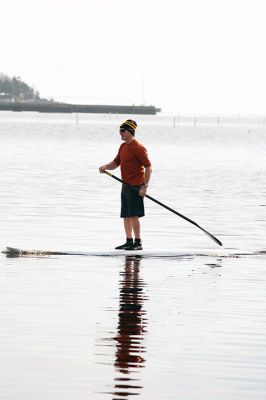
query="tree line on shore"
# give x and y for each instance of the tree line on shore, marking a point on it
(15, 89)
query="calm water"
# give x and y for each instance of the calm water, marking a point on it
(110, 328)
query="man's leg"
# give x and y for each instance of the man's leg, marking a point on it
(131, 204)
(128, 227)
(136, 227)
(133, 224)
(129, 231)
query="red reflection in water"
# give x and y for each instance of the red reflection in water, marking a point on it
(132, 325)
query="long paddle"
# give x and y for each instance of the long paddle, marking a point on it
(170, 209)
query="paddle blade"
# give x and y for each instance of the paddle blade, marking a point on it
(213, 238)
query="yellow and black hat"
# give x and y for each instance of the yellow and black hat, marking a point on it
(130, 126)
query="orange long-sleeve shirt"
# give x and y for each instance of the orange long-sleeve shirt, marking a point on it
(132, 158)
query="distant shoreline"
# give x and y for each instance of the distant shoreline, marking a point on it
(55, 107)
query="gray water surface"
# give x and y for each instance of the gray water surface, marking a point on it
(110, 328)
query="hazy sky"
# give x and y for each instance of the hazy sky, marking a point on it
(186, 56)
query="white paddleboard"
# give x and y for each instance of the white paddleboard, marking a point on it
(15, 252)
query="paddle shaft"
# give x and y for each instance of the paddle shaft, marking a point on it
(168, 208)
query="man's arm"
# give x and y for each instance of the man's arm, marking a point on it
(112, 165)
(147, 176)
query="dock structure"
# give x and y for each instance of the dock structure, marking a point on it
(55, 107)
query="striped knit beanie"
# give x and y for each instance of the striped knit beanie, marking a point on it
(130, 126)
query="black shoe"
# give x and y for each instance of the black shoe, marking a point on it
(135, 246)
(128, 243)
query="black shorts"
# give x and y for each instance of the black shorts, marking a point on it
(132, 204)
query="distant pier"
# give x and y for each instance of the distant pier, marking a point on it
(54, 107)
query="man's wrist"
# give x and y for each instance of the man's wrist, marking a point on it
(145, 185)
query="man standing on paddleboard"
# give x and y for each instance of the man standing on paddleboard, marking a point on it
(136, 171)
